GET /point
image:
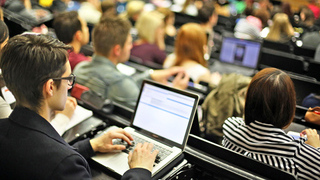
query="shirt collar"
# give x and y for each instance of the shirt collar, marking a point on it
(101, 59)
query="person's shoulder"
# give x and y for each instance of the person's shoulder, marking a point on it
(235, 121)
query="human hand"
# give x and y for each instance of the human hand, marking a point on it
(162, 76)
(313, 137)
(70, 107)
(181, 81)
(104, 143)
(142, 157)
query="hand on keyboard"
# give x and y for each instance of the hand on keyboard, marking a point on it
(142, 156)
(104, 143)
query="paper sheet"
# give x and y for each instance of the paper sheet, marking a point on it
(80, 114)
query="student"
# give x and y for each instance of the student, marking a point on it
(133, 11)
(307, 21)
(208, 19)
(36, 70)
(169, 19)
(270, 108)
(73, 30)
(190, 48)
(112, 44)
(281, 29)
(150, 44)
(61, 119)
(90, 11)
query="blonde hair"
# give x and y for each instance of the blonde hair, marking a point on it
(281, 25)
(166, 12)
(189, 44)
(147, 24)
(134, 7)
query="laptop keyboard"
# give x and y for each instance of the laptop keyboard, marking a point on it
(163, 153)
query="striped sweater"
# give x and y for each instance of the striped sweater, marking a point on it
(273, 146)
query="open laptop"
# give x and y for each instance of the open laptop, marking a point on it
(163, 116)
(238, 56)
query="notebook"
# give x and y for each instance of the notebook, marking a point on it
(238, 56)
(163, 116)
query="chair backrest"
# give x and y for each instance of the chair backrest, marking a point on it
(304, 86)
(282, 60)
(285, 47)
(314, 70)
(227, 23)
(16, 24)
(181, 19)
(304, 51)
(246, 165)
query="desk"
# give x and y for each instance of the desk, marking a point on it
(206, 160)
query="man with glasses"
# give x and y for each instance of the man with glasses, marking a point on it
(36, 70)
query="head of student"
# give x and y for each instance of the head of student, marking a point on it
(69, 26)
(271, 98)
(208, 14)
(150, 25)
(281, 27)
(111, 37)
(32, 67)
(191, 43)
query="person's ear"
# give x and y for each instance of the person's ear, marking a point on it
(116, 50)
(48, 88)
(78, 35)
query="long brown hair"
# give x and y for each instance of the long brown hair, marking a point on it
(271, 98)
(189, 44)
(281, 26)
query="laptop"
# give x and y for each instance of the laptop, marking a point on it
(238, 56)
(163, 116)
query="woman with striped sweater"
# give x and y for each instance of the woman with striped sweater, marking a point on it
(270, 108)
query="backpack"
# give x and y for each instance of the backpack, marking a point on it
(226, 100)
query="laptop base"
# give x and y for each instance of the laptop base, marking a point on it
(157, 176)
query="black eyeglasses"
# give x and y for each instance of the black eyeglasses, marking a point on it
(71, 79)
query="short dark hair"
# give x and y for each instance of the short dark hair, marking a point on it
(206, 12)
(66, 24)
(271, 98)
(27, 62)
(309, 16)
(109, 32)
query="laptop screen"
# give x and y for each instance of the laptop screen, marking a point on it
(165, 112)
(240, 52)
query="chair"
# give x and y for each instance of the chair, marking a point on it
(314, 69)
(282, 60)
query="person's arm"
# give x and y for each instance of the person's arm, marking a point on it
(62, 118)
(141, 162)
(313, 137)
(136, 174)
(104, 144)
(27, 4)
(72, 167)
(162, 76)
(5, 109)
